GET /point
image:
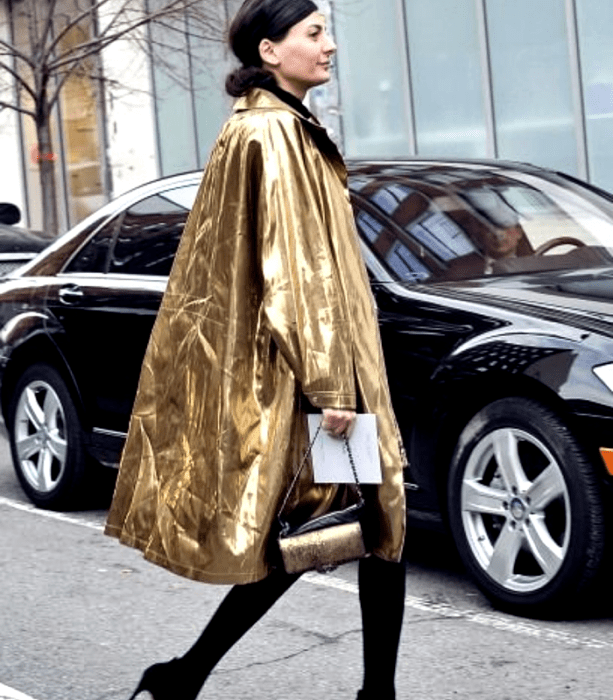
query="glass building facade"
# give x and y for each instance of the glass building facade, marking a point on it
(189, 113)
(510, 79)
(521, 80)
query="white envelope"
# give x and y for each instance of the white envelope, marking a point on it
(329, 454)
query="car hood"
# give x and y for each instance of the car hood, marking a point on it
(583, 298)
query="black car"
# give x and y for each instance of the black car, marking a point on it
(17, 245)
(494, 285)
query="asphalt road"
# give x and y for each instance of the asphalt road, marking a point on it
(81, 616)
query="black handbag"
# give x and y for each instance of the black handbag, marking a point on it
(327, 541)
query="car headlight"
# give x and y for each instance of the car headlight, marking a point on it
(605, 374)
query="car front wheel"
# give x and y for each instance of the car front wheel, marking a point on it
(525, 508)
(46, 438)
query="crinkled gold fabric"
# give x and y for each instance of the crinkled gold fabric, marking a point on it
(268, 300)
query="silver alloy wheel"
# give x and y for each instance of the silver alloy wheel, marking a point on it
(516, 510)
(40, 436)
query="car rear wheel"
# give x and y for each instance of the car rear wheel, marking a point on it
(525, 508)
(46, 438)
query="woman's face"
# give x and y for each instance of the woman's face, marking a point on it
(302, 59)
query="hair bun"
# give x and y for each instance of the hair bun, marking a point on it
(243, 79)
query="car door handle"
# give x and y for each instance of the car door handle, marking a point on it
(72, 294)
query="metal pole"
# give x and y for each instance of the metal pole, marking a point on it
(409, 96)
(577, 90)
(491, 143)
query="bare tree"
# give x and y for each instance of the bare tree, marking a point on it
(60, 39)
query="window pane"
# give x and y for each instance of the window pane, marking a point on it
(391, 248)
(173, 104)
(446, 76)
(531, 82)
(373, 78)
(149, 235)
(595, 19)
(93, 257)
(80, 117)
(212, 104)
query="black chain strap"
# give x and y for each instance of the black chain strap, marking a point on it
(354, 470)
(301, 467)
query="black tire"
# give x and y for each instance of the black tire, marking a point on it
(46, 439)
(525, 509)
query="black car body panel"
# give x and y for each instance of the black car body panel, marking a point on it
(18, 246)
(465, 349)
(103, 322)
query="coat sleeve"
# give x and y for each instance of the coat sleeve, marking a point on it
(303, 302)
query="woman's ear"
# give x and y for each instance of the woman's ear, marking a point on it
(268, 53)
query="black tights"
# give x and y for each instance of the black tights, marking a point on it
(382, 586)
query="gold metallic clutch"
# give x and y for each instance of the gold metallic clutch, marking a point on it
(323, 549)
(325, 542)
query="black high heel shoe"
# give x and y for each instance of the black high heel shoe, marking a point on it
(166, 682)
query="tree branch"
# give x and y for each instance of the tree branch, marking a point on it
(95, 46)
(76, 21)
(118, 18)
(49, 61)
(19, 79)
(12, 50)
(117, 29)
(75, 58)
(17, 108)
(55, 95)
(48, 28)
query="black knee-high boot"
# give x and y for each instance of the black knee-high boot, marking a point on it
(238, 612)
(382, 592)
(182, 678)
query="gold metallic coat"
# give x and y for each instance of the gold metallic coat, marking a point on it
(268, 302)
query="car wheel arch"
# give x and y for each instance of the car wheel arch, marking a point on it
(39, 348)
(48, 445)
(469, 396)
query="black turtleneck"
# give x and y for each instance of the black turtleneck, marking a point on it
(289, 99)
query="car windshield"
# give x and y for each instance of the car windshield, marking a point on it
(442, 224)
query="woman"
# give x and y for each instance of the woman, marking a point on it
(267, 314)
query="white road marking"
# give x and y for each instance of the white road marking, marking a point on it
(493, 620)
(7, 693)
(51, 514)
(486, 619)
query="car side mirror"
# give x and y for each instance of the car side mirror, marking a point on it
(9, 214)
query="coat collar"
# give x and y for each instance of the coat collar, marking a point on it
(262, 99)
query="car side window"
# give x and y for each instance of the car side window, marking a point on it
(394, 251)
(427, 229)
(411, 237)
(93, 257)
(147, 239)
(141, 240)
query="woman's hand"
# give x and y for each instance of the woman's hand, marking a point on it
(337, 422)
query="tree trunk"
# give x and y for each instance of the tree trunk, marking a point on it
(46, 164)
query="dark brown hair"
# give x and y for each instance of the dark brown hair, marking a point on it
(257, 20)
